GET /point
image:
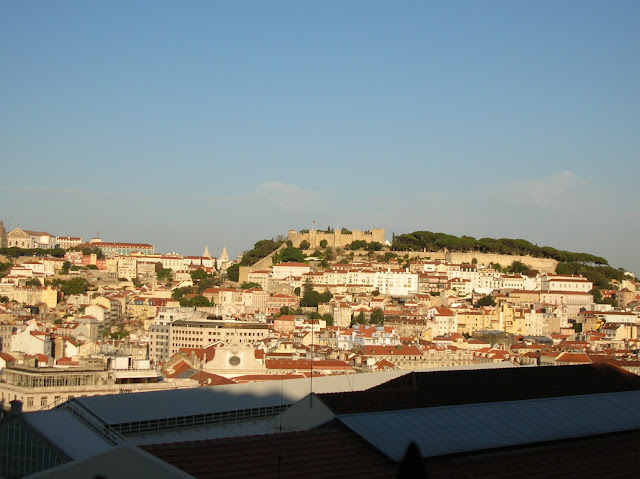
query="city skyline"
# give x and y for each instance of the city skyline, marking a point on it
(223, 124)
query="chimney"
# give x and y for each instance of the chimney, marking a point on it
(16, 406)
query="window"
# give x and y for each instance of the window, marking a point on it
(43, 401)
(29, 402)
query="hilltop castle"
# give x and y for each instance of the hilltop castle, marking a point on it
(335, 238)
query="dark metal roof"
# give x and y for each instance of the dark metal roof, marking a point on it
(447, 388)
(332, 451)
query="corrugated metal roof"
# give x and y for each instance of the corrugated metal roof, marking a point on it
(67, 433)
(322, 453)
(123, 462)
(123, 408)
(453, 429)
(253, 427)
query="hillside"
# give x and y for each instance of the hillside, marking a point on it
(595, 268)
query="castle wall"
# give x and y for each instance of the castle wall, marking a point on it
(544, 265)
(336, 239)
(264, 263)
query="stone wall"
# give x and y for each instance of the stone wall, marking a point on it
(544, 265)
(336, 239)
(263, 264)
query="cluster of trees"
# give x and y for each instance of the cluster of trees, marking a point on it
(598, 299)
(4, 267)
(429, 241)
(600, 276)
(260, 249)
(487, 300)
(15, 252)
(196, 289)
(286, 310)
(71, 286)
(289, 254)
(362, 244)
(311, 297)
(376, 317)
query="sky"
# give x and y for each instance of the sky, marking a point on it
(185, 124)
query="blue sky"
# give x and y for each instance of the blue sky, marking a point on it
(222, 123)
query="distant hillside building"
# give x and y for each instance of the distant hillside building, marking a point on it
(30, 239)
(336, 238)
(66, 242)
(124, 249)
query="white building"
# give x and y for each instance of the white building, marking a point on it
(396, 282)
(32, 341)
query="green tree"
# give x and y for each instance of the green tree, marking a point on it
(178, 293)
(377, 316)
(207, 283)
(328, 318)
(285, 311)
(597, 295)
(388, 256)
(357, 244)
(289, 255)
(65, 267)
(74, 286)
(487, 300)
(33, 282)
(518, 267)
(374, 246)
(165, 274)
(304, 244)
(329, 254)
(250, 285)
(323, 243)
(233, 272)
(360, 318)
(196, 301)
(198, 274)
(311, 298)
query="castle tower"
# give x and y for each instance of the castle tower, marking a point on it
(206, 252)
(3, 236)
(224, 257)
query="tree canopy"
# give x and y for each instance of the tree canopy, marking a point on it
(289, 254)
(196, 301)
(260, 250)
(377, 316)
(311, 297)
(487, 300)
(429, 241)
(198, 274)
(15, 252)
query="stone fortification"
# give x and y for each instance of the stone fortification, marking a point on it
(264, 263)
(544, 265)
(336, 239)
